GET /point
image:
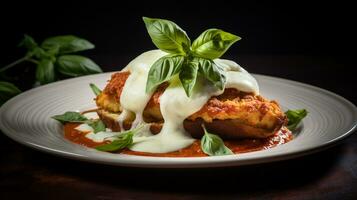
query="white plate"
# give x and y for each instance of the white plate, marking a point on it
(26, 119)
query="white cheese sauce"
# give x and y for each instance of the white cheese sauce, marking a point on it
(175, 106)
(133, 97)
(91, 115)
(97, 137)
(237, 77)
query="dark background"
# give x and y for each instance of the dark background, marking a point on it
(279, 38)
(299, 40)
(294, 27)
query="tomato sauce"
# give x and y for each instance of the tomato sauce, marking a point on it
(237, 146)
(78, 137)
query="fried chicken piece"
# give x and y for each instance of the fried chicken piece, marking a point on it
(233, 114)
(109, 98)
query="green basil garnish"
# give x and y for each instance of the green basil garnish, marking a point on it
(124, 140)
(185, 59)
(95, 89)
(213, 43)
(97, 125)
(76, 117)
(295, 117)
(213, 145)
(162, 70)
(188, 77)
(167, 36)
(70, 117)
(212, 72)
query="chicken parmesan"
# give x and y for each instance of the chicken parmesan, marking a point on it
(182, 100)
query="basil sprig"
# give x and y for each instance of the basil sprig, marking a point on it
(124, 140)
(189, 62)
(51, 56)
(213, 145)
(295, 117)
(52, 61)
(76, 117)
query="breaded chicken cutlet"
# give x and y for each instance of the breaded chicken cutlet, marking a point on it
(231, 115)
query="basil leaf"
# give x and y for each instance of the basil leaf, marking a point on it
(73, 65)
(97, 125)
(7, 91)
(188, 76)
(213, 145)
(45, 71)
(28, 42)
(53, 51)
(295, 117)
(211, 72)
(124, 140)
(70, 117)
(33, 49)
(162, 70)
(39, 53)
(213, 43)
(67, 44)
(95, 89)
(167, 36)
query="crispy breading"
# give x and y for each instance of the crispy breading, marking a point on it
(109, 98)
(227, 129)
(250, 109)
(233, 114)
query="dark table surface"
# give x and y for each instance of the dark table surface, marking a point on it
(331, 174)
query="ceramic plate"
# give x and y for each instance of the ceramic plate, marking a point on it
(26, 119)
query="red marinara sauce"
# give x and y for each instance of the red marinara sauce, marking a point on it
(237, 146)
(78, 137)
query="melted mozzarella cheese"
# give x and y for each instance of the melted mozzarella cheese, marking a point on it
(101, 136)
(175, 107)
(109, 135)
(133, 97)
(237, 77)
(84, 128)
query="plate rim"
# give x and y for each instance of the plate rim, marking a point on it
(162, 162)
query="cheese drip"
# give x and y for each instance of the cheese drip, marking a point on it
(175, 106)
(133, 98)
